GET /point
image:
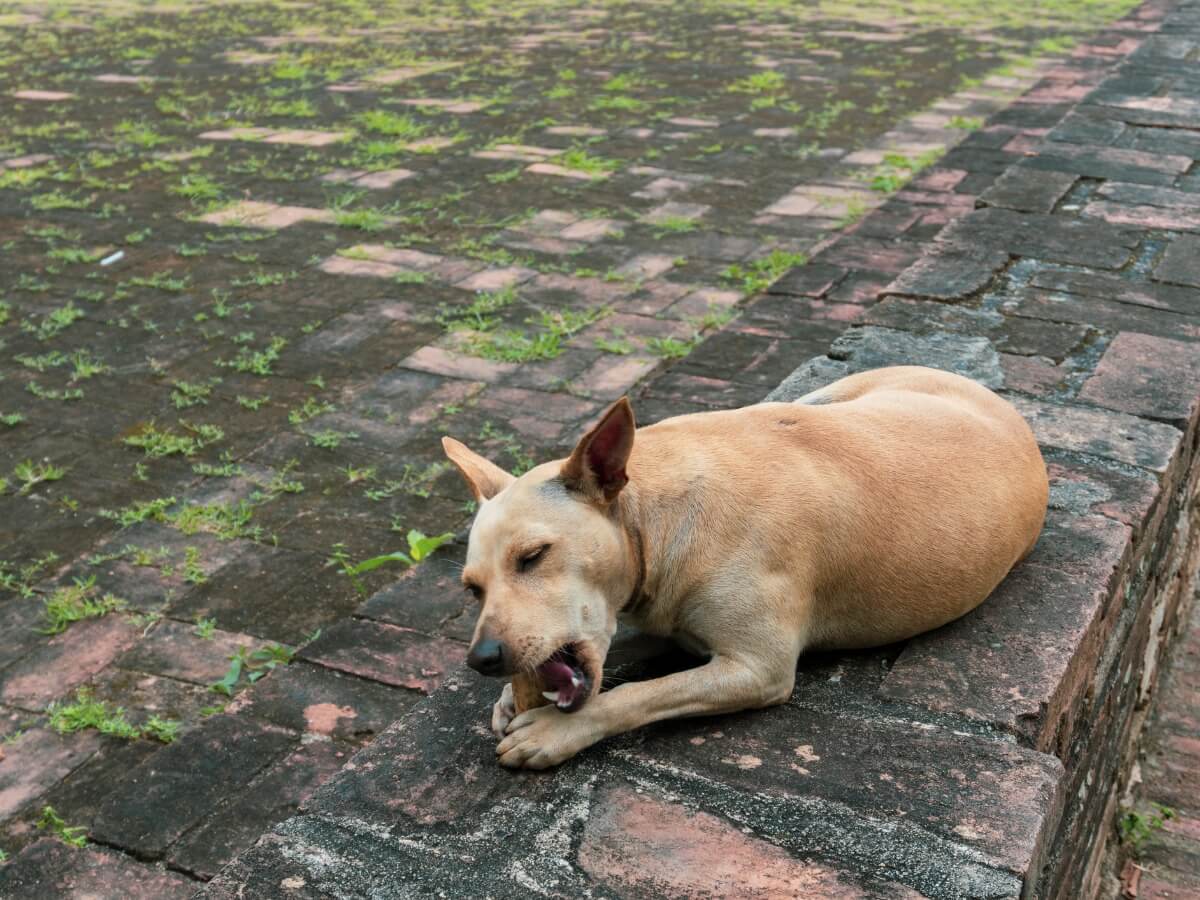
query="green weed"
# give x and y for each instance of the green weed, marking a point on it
(75, 603)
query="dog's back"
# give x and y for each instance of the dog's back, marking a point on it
(899, 498)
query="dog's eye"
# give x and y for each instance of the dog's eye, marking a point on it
(529, 560)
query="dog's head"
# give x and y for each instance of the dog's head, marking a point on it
(550, 562)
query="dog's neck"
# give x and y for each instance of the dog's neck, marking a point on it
(637, 550)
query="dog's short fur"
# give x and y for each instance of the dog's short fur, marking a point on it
(879, 507)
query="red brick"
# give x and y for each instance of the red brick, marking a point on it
(176, 650)
(642, 846)
(385, 653)
(1147, 376)
(38, 760)
(50, 868)
(274, 796)
(67, 660)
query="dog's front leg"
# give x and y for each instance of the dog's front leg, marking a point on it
(544, 737)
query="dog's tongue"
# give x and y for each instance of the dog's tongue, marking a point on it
(566, 686)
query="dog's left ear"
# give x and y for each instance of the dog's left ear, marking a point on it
(597, 465)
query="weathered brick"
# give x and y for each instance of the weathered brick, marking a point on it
(871, 347)
(36, 761)
(171, 791)
(1101, 314)
(50, 868)
(1051, 238)
(949, 272)
(271, 798)
(1030, 190)
(1080, 486)
(642, 846)
(1146, 376)
(387, 654)
(1110, 163)
(1106, 286)
(321, 701)
(428, 598)
(66, 660)
(178, 651)
(813, 279)
(1155, 218)
(1110, 435)
(1180, 264)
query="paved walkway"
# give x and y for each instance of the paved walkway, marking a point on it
(256, 260)
(986, 758)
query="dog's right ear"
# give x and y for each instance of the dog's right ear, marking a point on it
(597, 465)
(483, 477)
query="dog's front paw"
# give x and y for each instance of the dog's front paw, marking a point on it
(503, 712)
(544, 737)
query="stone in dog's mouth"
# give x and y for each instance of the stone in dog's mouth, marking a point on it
(565, 678)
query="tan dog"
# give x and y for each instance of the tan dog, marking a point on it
(879, 507)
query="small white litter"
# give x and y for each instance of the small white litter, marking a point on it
(112, 258)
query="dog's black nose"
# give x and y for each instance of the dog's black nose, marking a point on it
(488, 657)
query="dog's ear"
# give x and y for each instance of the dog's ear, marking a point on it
(483, 477)
(597, 465)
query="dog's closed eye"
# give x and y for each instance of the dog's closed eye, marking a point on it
(532, 558)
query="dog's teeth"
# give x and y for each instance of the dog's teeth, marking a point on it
(576, 681)
(552, 696)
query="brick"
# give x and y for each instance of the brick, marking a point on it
(1026, 189)
(272, 797)
(1020, 658)
(143, 696)
(1180, 264)
(1084, 487)
(294, 591)
(1106, 287)
(175, 650)
(1051, 238)
(320, 701)
(1146, 376)
(813, 279)
(385, 653)
(1103, 433)
(44, 96)
(609, 377)
(1033, 375)
(440, 361)
(949, 272)
(1143, 217)
(870, 347)
(78, 797)
(1103, 314)
(50, 868)
(19, 620)
(638, 845)
(429, 597)
(184, 782)
(871, 254)
(496, 279)
(66, 660)
(1144, 195)
(38, 760)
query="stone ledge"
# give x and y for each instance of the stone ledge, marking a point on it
(984, 759)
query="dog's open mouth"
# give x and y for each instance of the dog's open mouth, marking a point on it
(567, 682)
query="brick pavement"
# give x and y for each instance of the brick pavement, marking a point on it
(239, 548)
(987, 759)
